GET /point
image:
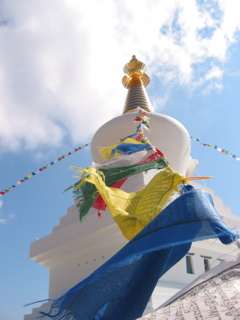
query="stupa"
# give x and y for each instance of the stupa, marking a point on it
(74, 250)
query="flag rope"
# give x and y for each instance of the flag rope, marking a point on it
(216, 148)
(30, 175)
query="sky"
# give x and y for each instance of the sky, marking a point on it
(61, 65)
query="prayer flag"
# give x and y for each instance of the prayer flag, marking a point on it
(121, 288)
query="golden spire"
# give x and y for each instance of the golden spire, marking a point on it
(135, 80)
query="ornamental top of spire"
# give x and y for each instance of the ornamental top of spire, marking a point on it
(135, 69)
(133, 65)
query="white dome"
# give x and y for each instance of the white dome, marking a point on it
(166, 134)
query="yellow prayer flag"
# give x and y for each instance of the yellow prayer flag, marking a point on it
(133, 211)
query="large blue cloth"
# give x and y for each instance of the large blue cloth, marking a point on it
(121, 288)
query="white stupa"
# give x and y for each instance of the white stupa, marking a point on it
(74, 250)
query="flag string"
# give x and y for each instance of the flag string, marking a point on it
(218, 149)
(32, 174)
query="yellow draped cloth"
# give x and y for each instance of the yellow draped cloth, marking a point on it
(133, 211)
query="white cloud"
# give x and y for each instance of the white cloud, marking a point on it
(212, 78)
(61, 61)
(214, 73)
(9, 217)
(5, 220)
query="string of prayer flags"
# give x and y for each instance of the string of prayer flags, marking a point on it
(32, 174)
(132, 155)
(143, 118)
(217, 148)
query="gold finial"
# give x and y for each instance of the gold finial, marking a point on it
(136, 80)
(134, 65)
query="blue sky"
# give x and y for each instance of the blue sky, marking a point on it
(60, 80)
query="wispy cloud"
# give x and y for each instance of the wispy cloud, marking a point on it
(4, 220)
(61, 61)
